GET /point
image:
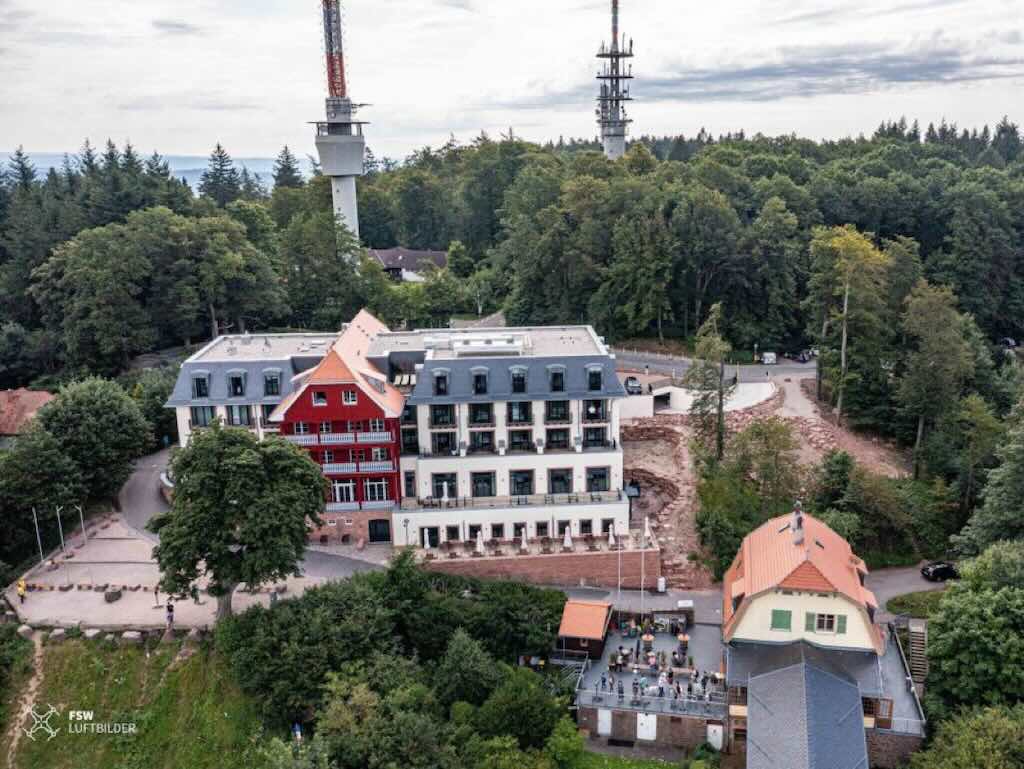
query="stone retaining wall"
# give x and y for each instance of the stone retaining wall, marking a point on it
(888, 750)
(673, 731)
(569, 569)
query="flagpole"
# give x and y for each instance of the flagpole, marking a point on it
(643, 559)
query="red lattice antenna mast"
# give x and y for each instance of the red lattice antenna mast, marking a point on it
(336, 85)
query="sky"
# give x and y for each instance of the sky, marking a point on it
(179, 75)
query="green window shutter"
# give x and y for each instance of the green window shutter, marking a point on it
(841, 623)
(782, 619)
(809, 622)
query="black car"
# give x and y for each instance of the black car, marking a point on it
(939, 571)
(633, 386)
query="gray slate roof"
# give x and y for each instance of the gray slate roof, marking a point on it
(218, 372)
(747, 660)
(460, 379)
(802, 717)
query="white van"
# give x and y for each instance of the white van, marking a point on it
(769, 358)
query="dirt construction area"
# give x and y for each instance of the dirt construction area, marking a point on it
(657, 455)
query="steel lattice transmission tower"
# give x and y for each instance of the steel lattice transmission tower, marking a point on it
(614, 78)
(339, 139)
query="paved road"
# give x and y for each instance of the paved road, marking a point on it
(140, 500)
(663, 364)
(889, 583)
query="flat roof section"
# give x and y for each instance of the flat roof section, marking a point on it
(263, 347)
(527, 341)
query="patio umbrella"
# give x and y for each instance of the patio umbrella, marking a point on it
(426, 539)
(611, 536)
(444, 493)
(523, 543)
(480, 541)
(647, 531)
(567, 540)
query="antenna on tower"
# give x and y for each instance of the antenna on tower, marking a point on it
(613, 92)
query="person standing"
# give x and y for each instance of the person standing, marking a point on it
(170, 614)
(22, 589)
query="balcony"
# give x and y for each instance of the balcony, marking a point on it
(558, 419)
(375, 437)
(342, 507)
(302, 440)
(339, 467)
(378, 466)
(333, 439)
(380, 504)
(478, 503)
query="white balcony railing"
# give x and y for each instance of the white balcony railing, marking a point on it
(380, 504)
(374, 437)
(328, 439)
(339, 467)
(381, 466)
(342, 507)
(301, 440)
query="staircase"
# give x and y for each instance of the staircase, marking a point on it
(918, 651)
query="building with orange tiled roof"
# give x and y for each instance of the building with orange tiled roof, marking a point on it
(796, 579)
(17, 408)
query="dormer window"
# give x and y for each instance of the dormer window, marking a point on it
(236, 385)
(319, 398)
(480, 383)
(441, 384)
(519, 380)
(200, 387)
(558, 381)
(349, 397)
(271, 384)
(595, 379)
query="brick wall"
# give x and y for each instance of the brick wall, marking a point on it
(598, 569)
(673, 731)
(887, 750)
(348, 528)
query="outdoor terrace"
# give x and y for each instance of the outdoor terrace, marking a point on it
(489, 503)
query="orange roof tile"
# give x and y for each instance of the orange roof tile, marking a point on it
(17, 407)
(331, 369)
(352, 347)
(770, 558)
(585, 619)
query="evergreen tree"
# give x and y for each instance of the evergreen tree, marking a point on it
(286, 170)
(221, 181)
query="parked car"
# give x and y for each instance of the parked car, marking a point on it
(769, 358)
(1008, 342)
(633, 386)
(939, 571)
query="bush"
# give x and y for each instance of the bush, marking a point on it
(520, 707)
(989, 738)
(15, 660)
(919, 605)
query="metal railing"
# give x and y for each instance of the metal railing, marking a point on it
(302, 440)
(375, 437)
(713, 707)
(334, 438)
(339, 467)
(342, 507)
(377, 466)
(516, 500)
(379, 504)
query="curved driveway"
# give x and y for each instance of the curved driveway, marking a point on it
(667, 364)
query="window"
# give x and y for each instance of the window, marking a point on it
(481, 442)
(558, 381)
(325, 427)
(518, 529)
(443, 443)
(594, 411)
(497, 531)
(481, 413)
(559, 481)
(542, 528)
(356, 455)
(474, 530)
(563, 526)
(301, 428)
(520, 440)
(271, 385)
(354, 427)
(319, 398)
(376, 425)
(379, 454)
(598, 479)
(343, 491)
(480, 384)
(203, 416)
(557, 440)
(821, 623)
(519, 380)
(409, 415)
(782, 619)
(520, 412)
(236, 385)
(586, 526)
(444, 485)
(375, 489)
(595, 438)
(607, 524)
(442, 416)
(410, 485)
(328, 457)
(484, 484)
(349, 398)
(441, 384)
(200, 387)
(267, 409)
(410, 442)
(557, 411)
(594, 379)
(521, 482)
(452, 533)
(239, 416)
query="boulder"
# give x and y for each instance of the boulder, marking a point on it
(91, 634)
(25, 631)
(110, 596)
(57, 636)
(131, 638)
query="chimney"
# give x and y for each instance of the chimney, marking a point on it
(798, 523)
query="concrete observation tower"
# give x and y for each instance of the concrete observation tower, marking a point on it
(339, 139)
(614, 78)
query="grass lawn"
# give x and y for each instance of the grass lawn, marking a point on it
(918, 605)
(600, 761)
(189, 716)
(15, 670)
